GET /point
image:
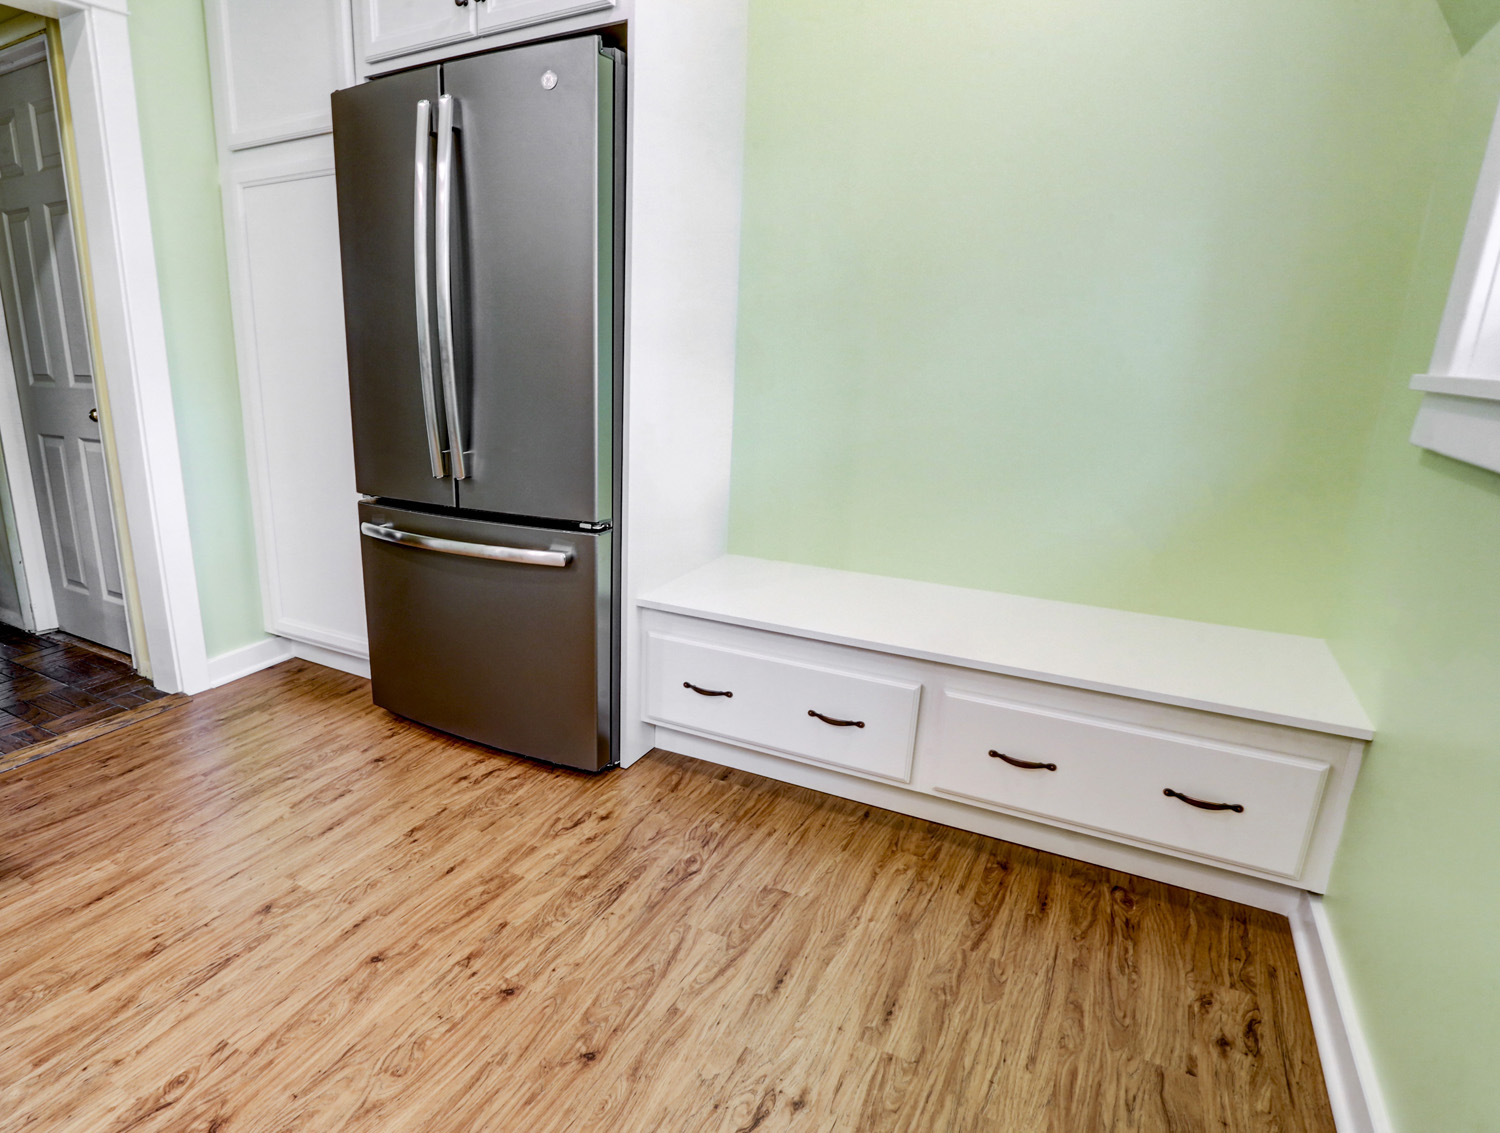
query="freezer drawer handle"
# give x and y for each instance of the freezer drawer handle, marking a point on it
(836, 723)
(388, 534)
(423, 266)
(705, 691)
(1200, 804)
(1023, 764)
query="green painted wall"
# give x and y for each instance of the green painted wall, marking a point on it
(1415, 899)
(170, 56)
(1470, 19)
(1077, 299)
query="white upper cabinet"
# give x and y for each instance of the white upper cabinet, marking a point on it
(275, 64)
(502, 15)
(389, 29)
(397, 27)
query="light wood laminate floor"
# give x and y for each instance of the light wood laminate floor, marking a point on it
(279, 908)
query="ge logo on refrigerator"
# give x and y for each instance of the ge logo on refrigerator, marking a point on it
(549, 80)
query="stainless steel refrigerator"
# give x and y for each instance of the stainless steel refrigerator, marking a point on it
(481, 222)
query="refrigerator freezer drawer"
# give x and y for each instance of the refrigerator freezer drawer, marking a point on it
(495, 632)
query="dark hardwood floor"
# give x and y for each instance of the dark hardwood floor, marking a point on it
(52, 684)
(278, 908)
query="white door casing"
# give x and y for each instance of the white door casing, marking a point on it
(136, 404)
(52, 361)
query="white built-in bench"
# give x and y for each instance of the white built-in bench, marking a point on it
(1176, 749)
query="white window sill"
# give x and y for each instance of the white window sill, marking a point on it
(1487, 388)
(1460, 418)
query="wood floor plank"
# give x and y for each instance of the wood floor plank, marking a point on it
(275, 907)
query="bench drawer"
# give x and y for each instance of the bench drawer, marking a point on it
(1114, 777)
(791, 707)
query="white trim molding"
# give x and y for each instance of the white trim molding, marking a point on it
(247, 659)
(1348, 1068)
(1464, 428)
(273, 650)
(332, 659)
(1460, 414)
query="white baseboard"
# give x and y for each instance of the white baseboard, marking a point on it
(645, 734)
(322, 637)
(273, 650)
(1348, 1069)
(331, 658)
(247, 659)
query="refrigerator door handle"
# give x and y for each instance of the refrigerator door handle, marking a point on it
(388, 534)
(444, 224)
(422, 265)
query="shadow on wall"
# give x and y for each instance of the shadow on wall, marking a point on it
(1470, 20)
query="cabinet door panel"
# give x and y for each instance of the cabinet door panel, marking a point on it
(297, 405)
(275, 62)
(501, 15)
(395, 27)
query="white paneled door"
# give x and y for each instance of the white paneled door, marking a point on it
(49, 345)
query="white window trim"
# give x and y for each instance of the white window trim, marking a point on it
(1460, 414)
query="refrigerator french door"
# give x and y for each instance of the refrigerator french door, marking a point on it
(480, 218)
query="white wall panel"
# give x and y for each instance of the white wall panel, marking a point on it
(687, 123)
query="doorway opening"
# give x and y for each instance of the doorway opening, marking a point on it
(61, 563)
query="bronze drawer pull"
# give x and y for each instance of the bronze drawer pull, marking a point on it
(837, 723)
(1023, 764)
(705, 691)
(1200, 804)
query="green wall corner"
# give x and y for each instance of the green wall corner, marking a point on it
(1415, 896)
(169, 51)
